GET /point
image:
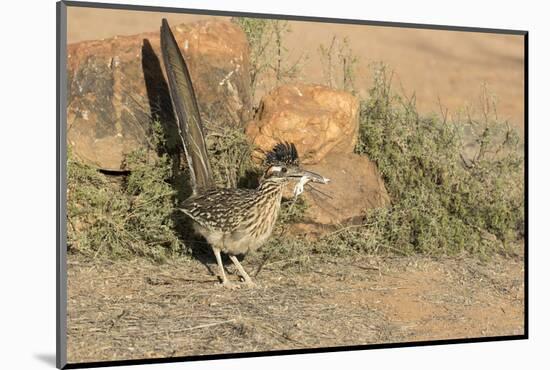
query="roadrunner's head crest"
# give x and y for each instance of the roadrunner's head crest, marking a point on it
(283, 164)
(283, 154)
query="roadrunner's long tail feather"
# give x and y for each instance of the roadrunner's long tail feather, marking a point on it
(187, 111)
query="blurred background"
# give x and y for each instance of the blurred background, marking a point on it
(443, 69)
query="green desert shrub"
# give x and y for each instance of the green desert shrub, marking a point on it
(230, 154)
(122, 216)
(445, 199)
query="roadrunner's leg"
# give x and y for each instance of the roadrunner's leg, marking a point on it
(225, 282)
(243, 273)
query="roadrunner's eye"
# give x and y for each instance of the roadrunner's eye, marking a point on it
(283, 170)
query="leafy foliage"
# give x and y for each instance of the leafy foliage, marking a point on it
(442, 201)
(122, 217)
(230, 154)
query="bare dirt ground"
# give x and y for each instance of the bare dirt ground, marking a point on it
(136, 309)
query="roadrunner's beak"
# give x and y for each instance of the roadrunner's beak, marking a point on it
(307, 176)
(315, 177)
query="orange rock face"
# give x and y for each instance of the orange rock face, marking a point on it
(317, 119)
(117, 86)
(355, 186)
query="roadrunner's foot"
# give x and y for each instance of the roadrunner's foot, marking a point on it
(227, 284)
(250, 284)
(247, 280)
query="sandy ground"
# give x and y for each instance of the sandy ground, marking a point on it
(132, 310)
(444, 67)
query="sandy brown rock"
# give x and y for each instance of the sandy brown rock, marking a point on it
(355, 186)
(115, 87)
(317, 119)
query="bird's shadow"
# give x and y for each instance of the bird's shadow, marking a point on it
(162, 111)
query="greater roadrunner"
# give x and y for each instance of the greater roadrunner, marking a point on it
(233, 221)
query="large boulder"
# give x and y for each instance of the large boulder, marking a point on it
(116, 87)
(355, 186)
(317, 119)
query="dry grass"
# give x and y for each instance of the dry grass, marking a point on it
(137, 309)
